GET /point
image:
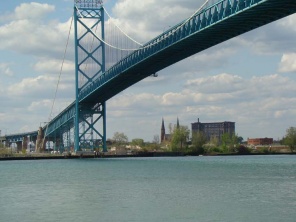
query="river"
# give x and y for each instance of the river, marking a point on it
(172, 189)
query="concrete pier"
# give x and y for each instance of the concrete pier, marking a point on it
(25, 143)
(19, 146)
(40, 142)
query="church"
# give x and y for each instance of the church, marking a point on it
(163, 136)
(211, 130)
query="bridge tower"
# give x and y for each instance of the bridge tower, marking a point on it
(90, 118)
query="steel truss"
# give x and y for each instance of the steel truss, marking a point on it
(90, 63)
(211, 26)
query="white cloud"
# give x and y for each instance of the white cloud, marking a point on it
(217, 84)
(266, 102)
(288, 23)
(35, 37)
(31, 86)
(274, 38)
(39, 87)
(146, 19)
(5, 70)
(32, 10)
(288, 63)
(54, 66)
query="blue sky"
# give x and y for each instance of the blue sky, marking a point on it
(249, 79)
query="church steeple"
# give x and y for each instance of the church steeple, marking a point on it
(178, 124)
(162, 133)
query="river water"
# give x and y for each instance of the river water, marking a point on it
(235, 188)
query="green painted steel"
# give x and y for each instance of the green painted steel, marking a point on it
(88, 15)
(218, 23)
(13, 138)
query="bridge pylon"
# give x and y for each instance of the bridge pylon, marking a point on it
(90, 117)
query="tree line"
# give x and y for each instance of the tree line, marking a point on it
(180, 141)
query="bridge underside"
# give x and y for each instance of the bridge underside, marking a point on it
(212, 35)
(247, 15)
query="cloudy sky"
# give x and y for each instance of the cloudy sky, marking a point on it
(250, 80)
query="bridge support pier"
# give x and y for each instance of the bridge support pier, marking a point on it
(19, 146)
(40, 142)
(25, 143)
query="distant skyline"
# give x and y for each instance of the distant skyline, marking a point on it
(249, 79)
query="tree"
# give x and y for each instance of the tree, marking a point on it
(240, 139)
(156, 139)
(179, 137)
(138, 142)
(120, 138)
(214, 141)
(290, 138)
(156, 142)
(225, 141)
(229, 142)
(243, 150)
(198, 140)
(170, 128)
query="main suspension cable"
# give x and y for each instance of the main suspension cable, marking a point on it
(111, 19)
(165, 37)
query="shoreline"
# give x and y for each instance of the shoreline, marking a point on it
(148, 154)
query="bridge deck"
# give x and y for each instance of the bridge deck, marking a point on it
(218, 23)
(207, 32)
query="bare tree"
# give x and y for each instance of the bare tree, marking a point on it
(120, 138)
(156, 139)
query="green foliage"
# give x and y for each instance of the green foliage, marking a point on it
(290, 138)
(5, 152)
(138, 142)
(211, 149)
(214, 141)
(229, 142)
(215, 150)
(265, 150)
(179, 138)
(199, 139)
(240, 140)
(243, 150)
(151, 147)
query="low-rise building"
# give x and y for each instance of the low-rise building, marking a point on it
(260, 141)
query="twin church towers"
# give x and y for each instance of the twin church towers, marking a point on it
(167, 137)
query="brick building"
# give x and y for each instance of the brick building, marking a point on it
(260, 141)
(213, 130)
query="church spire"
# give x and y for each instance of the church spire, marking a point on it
(162, 132)
(178, 125)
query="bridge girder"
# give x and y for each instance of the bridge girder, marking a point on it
(218, 23)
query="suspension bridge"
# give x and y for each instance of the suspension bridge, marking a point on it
(107, 61)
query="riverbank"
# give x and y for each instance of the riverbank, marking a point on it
(143, 154)
(80, 156)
